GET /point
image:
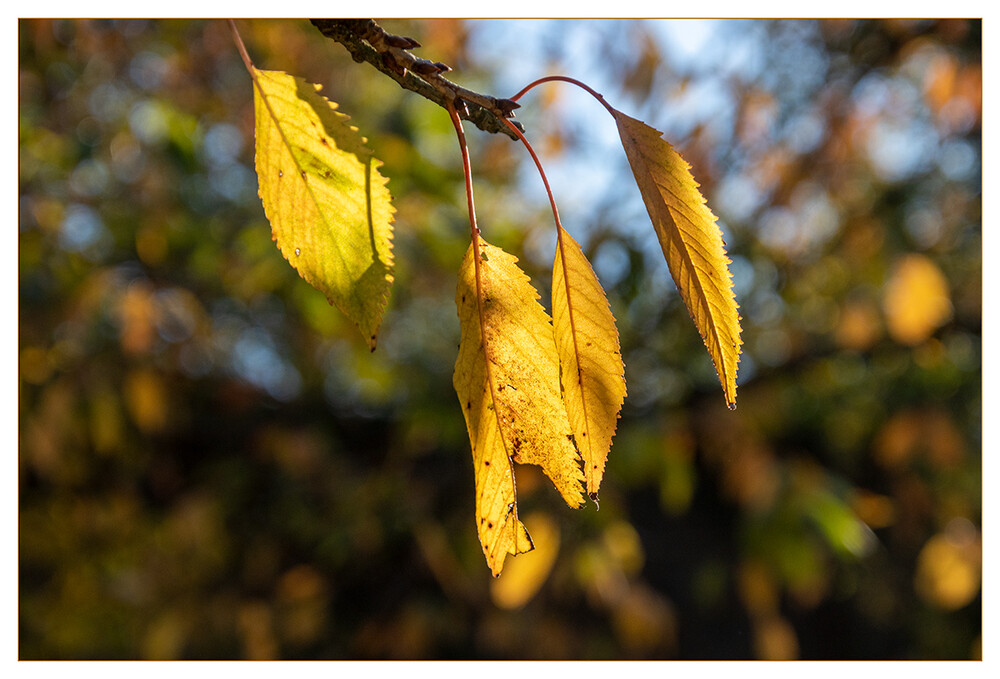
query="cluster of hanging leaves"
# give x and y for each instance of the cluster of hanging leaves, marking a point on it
(533, 389)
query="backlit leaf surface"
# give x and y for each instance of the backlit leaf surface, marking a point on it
(329, 208)
(592, 372)
(507, 380)
(691, 242)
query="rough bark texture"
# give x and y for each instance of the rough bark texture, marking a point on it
(367, 41)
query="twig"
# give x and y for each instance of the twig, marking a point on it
(367, 41)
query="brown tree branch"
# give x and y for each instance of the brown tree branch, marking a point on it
(367, 41)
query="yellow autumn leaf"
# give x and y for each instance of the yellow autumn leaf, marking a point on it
(691, 242)
(329, 208)
(591, 368)
(507, 381)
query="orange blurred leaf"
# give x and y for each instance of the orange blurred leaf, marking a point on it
(949, 569)
(916, 300)
(859, 326)
(930, 433)
(138, 313)
(526, 575)
(146, 398)
(775, 638)
(757, 588)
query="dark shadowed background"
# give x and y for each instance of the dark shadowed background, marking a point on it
(212, 464)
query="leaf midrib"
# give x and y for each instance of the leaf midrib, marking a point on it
(676, 236)
(301, 171)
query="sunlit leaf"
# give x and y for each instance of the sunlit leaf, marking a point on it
(916, 300)
(691, 242)
(591, 369)
(507, 380)
(949, 571)
(329, 208)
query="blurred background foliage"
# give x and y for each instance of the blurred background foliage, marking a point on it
(212, 465)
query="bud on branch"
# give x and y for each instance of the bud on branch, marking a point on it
(367, 41)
